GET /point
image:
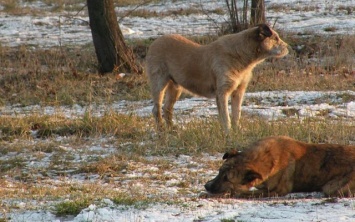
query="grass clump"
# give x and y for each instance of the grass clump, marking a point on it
(10, 6)
(111, 165)
(189, 137)
(123, 3)
(227, 220)
(10, 164)
(71, 207)
(127, 200)
(111, 123)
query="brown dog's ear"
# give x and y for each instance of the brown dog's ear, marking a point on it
(263, 32)
(250, 176)
(230, 154)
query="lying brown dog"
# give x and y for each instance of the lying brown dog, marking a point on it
(276, 166)
(220, 70)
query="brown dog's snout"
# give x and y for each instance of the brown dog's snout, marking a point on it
(212, 186)
(208, 186)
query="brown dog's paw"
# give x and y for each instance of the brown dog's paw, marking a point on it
(205, 195)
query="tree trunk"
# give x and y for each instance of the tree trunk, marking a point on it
(111, 50)
(257, 13)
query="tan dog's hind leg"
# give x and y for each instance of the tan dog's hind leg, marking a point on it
(341, 187)
(236, 104)
(158, 89)
(172, 94)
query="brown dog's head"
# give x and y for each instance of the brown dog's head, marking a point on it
(235, 176)
(271, 45)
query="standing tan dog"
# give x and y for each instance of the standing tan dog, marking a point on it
(280, 165)
(220, 69)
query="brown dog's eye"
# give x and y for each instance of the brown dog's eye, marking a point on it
(225, 178)
(251, 176)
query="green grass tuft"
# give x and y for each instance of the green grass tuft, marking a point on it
(71, 207)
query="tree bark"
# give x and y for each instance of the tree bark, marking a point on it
(257, 13)
(111, 50)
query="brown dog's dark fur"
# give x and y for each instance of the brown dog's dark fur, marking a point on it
(276, 166)
(220, 70)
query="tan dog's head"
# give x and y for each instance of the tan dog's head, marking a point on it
(235, 176)
(270, 44)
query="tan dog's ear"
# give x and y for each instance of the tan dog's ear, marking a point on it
(263, 32)
(230, 154)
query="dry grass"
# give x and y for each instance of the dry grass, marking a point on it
(143, 164)
(60, 76)
(122, 3)
(17, 7)
(67, 76)
(130, 168)
(144, 13)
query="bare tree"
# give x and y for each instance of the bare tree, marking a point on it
(111, 49)
(239, 17)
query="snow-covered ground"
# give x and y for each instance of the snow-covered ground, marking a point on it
(53, 29)
(283, 210)
(271, 105)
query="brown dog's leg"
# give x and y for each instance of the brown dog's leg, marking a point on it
(236, 104)
(341, 186)
(257, 194)
(222, 104)
(280, 185)
(172, 94)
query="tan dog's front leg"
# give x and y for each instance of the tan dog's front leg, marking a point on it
(236, 103)
(222, 104)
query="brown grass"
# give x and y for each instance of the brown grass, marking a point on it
(68, 75)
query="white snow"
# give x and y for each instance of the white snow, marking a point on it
(271, 105)
(292, 208)
(283, 210)
(54, 29)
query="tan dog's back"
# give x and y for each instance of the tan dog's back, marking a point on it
(182, 61)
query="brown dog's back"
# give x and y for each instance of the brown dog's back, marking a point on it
(322, 163)
(280, 165)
